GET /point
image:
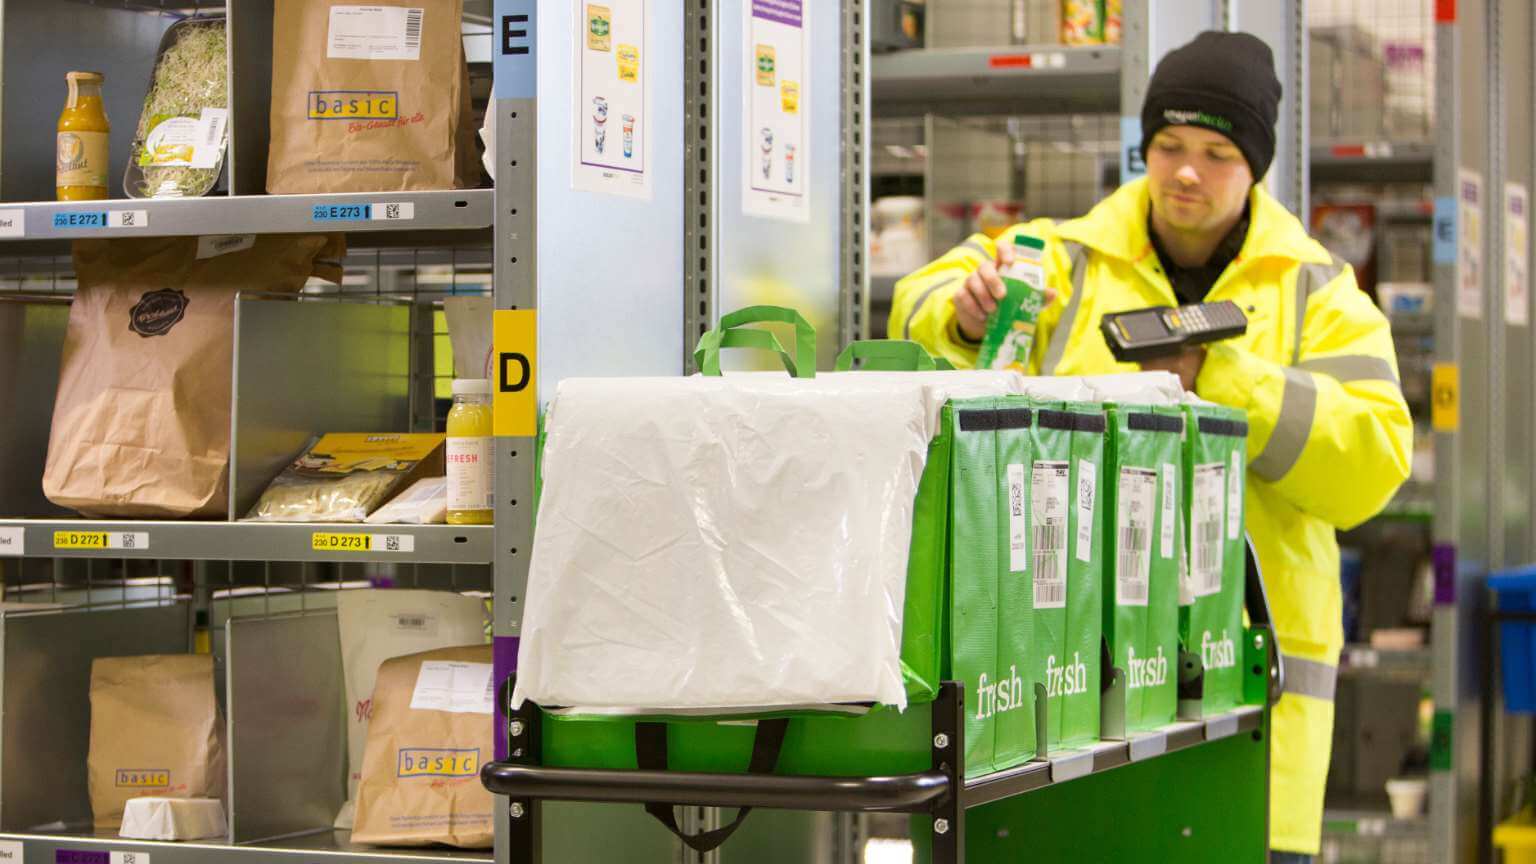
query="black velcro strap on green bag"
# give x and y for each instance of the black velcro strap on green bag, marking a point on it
(1219, 426)
(1155, 423)
(651, 755)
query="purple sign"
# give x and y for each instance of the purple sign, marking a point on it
(76, 856)
(787, 12)
(504, 662)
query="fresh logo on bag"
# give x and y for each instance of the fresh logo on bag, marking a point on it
(143, 778)
(157, 312)
(354, 105)
(437, 762)
(1147, 671)
(1217, 653)
(1001, 697)
(1067, 680)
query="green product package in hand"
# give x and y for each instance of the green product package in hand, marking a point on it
(1141, 565)
(1211, 613)
(1011, 328)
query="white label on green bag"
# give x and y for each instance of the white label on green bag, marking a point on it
(1018, 521)
(1186, 584)
(1170, 497)
(1133, 535)
(1205, 542)
(1235, 496)
(1087, 491)
(1049, 487)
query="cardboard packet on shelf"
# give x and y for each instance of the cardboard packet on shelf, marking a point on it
(345, 477)
(424, 503)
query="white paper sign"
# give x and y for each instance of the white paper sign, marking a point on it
(374, 33)
(610, 138)
(1469, 258)
(13, 223)
(1517, 282)
(776, 109)
(10, 851)
(458, 688)
(13, 544)
(214, 245)
(1087, 491)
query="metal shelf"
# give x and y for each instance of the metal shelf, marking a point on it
(1106, 755)
(459, 209)
(334, 847)
(1376, 162)
(247, 541)
(1014, 79)
(1373, 823)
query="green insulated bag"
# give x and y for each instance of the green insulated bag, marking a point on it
(1085, 580)
(1015, 712)
(1211, 619)
(1141, 569)
(1048, 477)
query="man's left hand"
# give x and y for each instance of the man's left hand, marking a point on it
(1186, 364)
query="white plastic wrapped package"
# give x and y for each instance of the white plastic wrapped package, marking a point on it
(1145, 388)
(173, 819)
(728, 544)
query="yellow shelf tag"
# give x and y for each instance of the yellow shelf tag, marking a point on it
(515, 405)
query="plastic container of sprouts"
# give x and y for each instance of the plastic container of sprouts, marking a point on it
(183, 132)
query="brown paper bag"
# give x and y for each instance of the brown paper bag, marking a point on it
(141, 419)
(421, 767)
(375, 114)
(155, 731)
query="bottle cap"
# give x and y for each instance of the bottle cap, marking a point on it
(1026, 240)
(471, 387)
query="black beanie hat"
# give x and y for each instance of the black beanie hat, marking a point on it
(1224, 82)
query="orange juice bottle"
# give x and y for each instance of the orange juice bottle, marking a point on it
(82, 141)
(471, 472)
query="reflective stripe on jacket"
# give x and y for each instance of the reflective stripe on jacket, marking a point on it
(1329, 439)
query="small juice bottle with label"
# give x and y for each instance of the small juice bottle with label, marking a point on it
(1011, 327)
(82, 148)
(471, 472)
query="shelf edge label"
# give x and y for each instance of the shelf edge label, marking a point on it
(13, 223)
(1445, 397)
(13, 544)
(10, 850)
(351, 541)
(132, 541)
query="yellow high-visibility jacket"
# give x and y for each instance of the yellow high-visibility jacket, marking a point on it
(1329, 438)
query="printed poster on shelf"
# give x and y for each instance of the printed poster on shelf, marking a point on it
(612, 152)
(1517, 281)
(776, 91)
(1469, 263)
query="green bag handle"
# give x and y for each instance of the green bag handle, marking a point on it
(890, 355)
(732, 333)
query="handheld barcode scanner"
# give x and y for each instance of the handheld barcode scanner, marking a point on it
(1161, 331)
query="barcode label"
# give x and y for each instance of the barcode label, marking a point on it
(413, 30)
(1170, 503)
(1133, 535)
(1205, 542)
(1235, 497)
(416, 622)
(210, 141)
(1050, 486)
(1018, 521)
(374, 33)
(1087, 491)
(1186, 584)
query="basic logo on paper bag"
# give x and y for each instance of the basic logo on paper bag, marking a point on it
(143, 778)
(437, 762)
(157, 312)
(354, 105)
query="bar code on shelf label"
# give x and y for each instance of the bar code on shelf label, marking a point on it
(128, 541)
(1133, 535)
(329, 541)
(1050, 489)
(1206, 543)
(129, 858)
(91, 219)
(13, 544)
(402, 211)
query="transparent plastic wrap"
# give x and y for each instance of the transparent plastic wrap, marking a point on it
(728, 544)
(344, 478)
(179, 144)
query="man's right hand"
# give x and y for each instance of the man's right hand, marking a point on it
(978, 296)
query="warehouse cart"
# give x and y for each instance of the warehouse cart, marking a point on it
(1234, 802)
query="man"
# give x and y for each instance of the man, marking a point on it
(1329, 434)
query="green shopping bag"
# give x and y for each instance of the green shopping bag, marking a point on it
(1082, 668)
(1141, 566)
(1211, 615)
